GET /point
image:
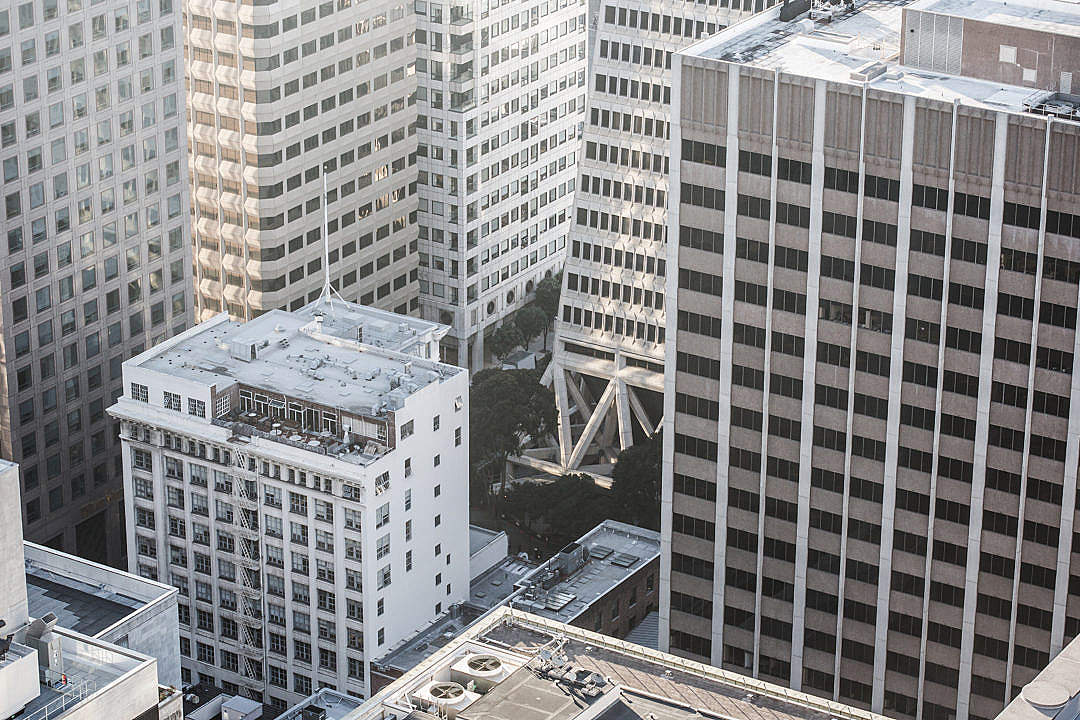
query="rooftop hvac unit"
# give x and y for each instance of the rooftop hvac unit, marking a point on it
(313, 712)
(483, 670)
(572, 558)
(245, 350)
(445, 697)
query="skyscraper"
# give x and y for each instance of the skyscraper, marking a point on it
(284, 100)
(609, 351)
(501, 101)
(871, 408)
(95, 252)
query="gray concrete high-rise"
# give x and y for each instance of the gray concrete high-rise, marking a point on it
(283, 100)
(95, 252)
(872, 413)
(609, 349)
(502, 100)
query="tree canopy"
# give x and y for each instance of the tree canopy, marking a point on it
(560, 511)
(530, 322)
(548, 291)
(565, 509)
(635, 484)
(504, 339)
(505, 406)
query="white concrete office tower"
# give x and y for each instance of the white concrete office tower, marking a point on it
(284, 97)
(607, 369)
(50, 666)
(303, 479)
(501, 103)
(872, 406)
(94, 247)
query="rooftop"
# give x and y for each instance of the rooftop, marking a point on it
(486, 592)
(562, 589)
(516, 666)
(869, 33)
(1061, 17)
(79, 608)
(338, 706)
(309, 356)
(1054, 693)
(481, 537)
(85, 596)
(89, 667)
(348, 364)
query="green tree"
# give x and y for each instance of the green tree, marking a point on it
(548, 291)
(531, 321)
(504, 339)
(561, 510)
(505, 407)
(635, 484)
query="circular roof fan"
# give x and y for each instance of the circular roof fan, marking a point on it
(485, 663)
(446, 691)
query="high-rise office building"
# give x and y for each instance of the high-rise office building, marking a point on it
(501, 101)
(871, 399)
(282, 100)
(302, 478)
(95, 253)
(609, 349)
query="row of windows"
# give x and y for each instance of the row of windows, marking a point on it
(606, 289)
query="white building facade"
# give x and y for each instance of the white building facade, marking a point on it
(284, 98)
(311, 518)
(501, 106)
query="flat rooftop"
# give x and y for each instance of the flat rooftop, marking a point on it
(85, 597)
(1051, 693)
(89, 666)
(500, 582)
(871, 33)
(337, 705)
(486, 592)
(553, 671)
(307, 356)
(480, 537)
(381, 328)
(1061, 17)
(81, 609)
(615, 551)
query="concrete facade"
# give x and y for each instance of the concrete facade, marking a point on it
(296, 113)
(607, 368)
(96, 255)
(52, 671)
(13, 607)
(501, 102)
(871, 397)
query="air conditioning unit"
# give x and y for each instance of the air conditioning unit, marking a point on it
(444, 697)
(483, 670)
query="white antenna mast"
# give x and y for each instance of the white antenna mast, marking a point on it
(328, 292)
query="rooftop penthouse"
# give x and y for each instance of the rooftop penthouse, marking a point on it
(326, 379)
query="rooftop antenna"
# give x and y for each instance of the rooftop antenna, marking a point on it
(328, 292)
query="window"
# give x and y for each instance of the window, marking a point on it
(171, 401)
(139, 392)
